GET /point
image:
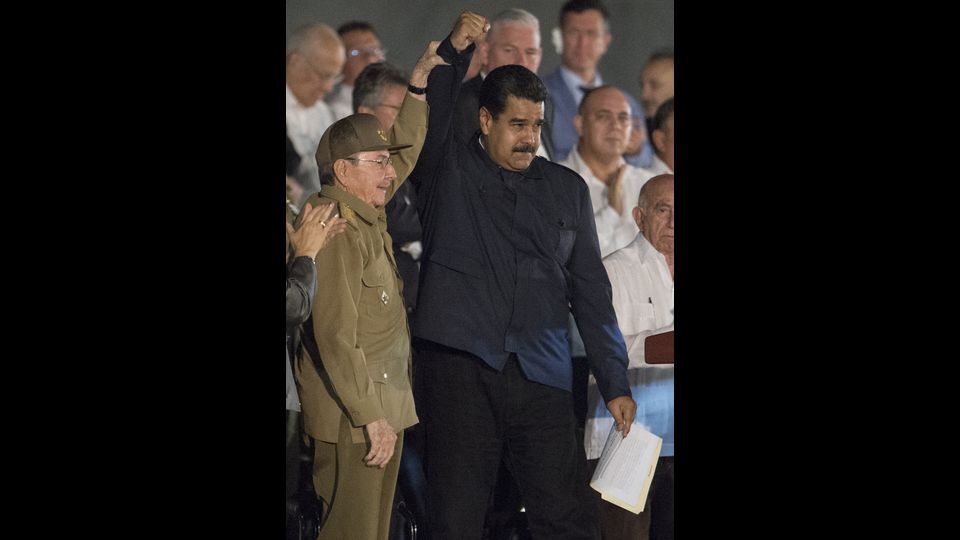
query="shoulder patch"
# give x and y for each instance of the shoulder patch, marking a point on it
(348, 214)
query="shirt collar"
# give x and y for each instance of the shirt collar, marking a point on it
(648, 253)
(578, 164)
(292, 99)
(362, 209)
(659, 163)
(574, 82)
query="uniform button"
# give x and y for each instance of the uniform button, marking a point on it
(384, 375)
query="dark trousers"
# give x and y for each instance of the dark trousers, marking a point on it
(479, 416)
(412, 481)
(656, 520)
(661, 500)
(293, 453)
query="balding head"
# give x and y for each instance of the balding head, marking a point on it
(654, 213)
(315, 57)
(604, 124)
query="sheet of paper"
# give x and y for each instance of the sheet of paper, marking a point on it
(626, 467)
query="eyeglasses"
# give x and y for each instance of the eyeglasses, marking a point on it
(382, 162)
(325, 76)
(367, 51)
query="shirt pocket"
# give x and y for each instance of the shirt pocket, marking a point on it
(565, 245)
(374, 297)
(458, 262)
(638, 318)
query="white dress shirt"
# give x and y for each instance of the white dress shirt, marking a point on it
(340, 101)
(614, 230)
(305, 126)
(643, 300)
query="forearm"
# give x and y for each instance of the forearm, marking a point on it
(443, 89)
(301, 288)
(409, 128)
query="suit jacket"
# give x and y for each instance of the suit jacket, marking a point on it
(564, 109)
(356, 361)
(563, 132)
(465, 268)
(467, 120)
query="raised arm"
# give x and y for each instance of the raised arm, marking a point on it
(410, 126)
(443, 88)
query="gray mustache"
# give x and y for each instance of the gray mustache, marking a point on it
(525, 148)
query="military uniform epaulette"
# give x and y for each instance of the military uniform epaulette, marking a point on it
(348, 214)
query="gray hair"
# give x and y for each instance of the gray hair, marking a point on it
(304, 37)
(515, 16)
(368, 88)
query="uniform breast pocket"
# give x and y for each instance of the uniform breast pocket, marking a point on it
(374, 296)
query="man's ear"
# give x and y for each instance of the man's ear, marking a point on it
(638, 217)
(341, 170)
(486, 119)
(578, 124)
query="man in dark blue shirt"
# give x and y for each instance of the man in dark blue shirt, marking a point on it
(510, 247)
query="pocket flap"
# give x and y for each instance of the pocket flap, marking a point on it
(458, 262)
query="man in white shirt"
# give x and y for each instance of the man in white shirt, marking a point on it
(315, 57)
(362, 48)
(641, 278)
(604, 125)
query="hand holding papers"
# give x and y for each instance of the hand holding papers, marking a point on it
(626, 468)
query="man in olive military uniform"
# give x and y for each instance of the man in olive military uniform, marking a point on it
(354, 377)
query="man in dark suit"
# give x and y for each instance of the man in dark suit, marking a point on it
(585, 28)
(514, 38)
(510, 247)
